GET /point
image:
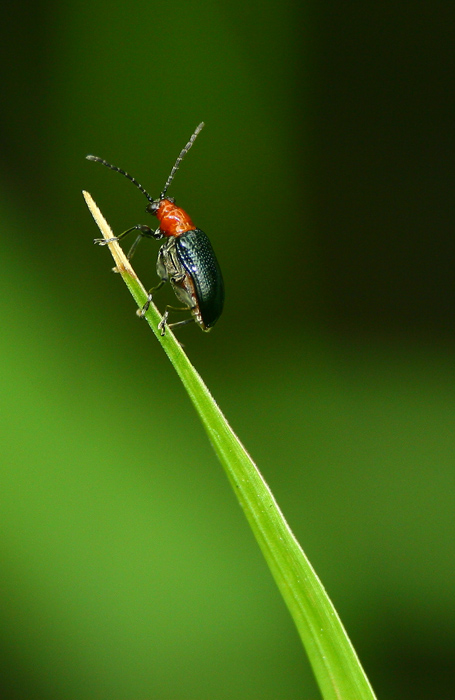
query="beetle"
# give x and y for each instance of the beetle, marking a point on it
(186, 259)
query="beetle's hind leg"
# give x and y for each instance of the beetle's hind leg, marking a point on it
(163, 323)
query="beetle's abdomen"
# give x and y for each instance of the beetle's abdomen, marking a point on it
(196, 255)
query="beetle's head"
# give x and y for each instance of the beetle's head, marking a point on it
(153, 207)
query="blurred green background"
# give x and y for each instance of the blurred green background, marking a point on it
(324, 178)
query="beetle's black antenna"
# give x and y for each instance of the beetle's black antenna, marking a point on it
(122, 172)
(183, 153)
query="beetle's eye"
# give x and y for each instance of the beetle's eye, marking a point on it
(152, 208)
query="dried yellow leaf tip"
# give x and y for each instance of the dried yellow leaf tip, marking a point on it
(121, 261)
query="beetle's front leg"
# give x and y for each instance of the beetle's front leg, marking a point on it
(144, 231)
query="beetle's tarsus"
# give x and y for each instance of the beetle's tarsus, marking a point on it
(163, 323)
(141, 312)
(104, 241)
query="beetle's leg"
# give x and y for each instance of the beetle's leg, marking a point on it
(163, 323)
(143, 231)
(162, 274)
(134, 246)
(141, 312)
(176, 279)
(181, 323)
(146, 232)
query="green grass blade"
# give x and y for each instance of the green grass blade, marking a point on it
(334, 661)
